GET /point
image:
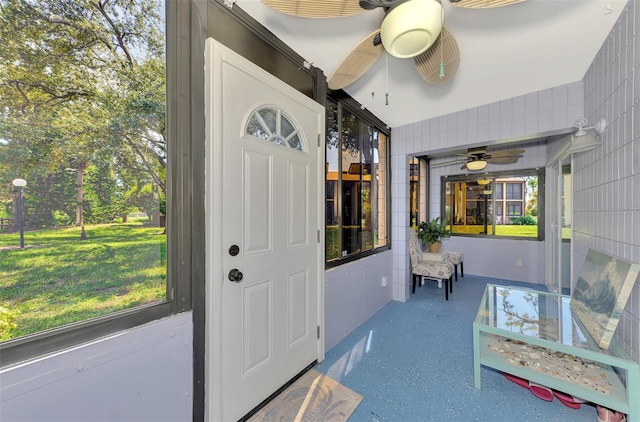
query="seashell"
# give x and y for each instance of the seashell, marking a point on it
(534, 355)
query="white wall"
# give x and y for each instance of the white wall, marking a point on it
(481, 258)
(353, 293)
(143, 374)
(607, 180)
(538, 113)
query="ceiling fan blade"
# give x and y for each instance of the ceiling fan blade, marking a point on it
(316, 8)
(444, 50)
(506, 153)
(502, 160)
(464, 166)
(483, 4)
(446, 163)
(357, 62)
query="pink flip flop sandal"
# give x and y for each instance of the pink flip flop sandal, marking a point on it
(567, 400)
(520, 381)
(541, 392)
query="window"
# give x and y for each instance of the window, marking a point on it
(357, 183)
(414, 191)
(273, 125)
(494, 204)
(87, 128)
(514, 190)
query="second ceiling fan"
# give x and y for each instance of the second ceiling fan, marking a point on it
(477, 158)
(410, 29)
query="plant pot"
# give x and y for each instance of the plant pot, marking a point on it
(435, 246)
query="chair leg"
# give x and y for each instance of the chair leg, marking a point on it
(456, 268)
(451, 284)
(413, 290)
(462, 269)
(446, 290)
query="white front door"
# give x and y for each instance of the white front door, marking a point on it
(265, 267)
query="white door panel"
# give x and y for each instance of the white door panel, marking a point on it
(264, 195)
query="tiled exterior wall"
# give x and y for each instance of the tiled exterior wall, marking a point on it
(607, 179)
(535, 113)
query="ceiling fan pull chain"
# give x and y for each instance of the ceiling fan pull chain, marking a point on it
(386, 79)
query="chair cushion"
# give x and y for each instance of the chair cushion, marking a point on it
(434, 269)
(456, 257)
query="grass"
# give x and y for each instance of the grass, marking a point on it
(501, 230)
(59, 279)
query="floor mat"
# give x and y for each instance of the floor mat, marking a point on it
(313, 397)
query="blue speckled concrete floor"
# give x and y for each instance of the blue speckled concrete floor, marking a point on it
(413, 361)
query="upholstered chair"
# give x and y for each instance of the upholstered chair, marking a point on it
(437, 270)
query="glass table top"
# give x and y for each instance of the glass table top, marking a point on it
(536, 314)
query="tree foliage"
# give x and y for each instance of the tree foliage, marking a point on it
(83, 93)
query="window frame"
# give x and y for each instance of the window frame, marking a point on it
(539, 172)
(182, 257)
(347, 104)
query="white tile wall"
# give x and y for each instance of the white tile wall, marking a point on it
(607, 179)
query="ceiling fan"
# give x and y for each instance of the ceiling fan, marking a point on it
(477, 158)
(410, 29)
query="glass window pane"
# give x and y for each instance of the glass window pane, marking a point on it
(332, 238)
(368, 190)
(286, 127)
(380, 178)
(294, 142)
(351, 185)
(414, 191)
(472, 206)
(256, 129)
(93, 209)
(356, 185)
(270, 117)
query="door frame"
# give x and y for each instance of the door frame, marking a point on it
(553, 247)
(214, 249)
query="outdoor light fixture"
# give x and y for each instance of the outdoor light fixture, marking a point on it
(411, 27)
(483, 182)
(476, 165)
(20, 183)
(581, 140)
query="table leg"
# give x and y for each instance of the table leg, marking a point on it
(476, 358)
(633, 396)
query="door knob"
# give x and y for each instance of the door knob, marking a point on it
(235, 275)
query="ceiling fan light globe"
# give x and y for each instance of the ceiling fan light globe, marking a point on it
(476, 165)
(410, 28)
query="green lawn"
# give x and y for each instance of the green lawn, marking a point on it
(501, 230)
(65, 280)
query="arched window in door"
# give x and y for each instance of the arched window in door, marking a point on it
(274, 125)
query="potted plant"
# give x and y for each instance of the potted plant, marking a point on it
(430, 233)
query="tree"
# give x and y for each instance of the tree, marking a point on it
(83, 83)
(531, 198)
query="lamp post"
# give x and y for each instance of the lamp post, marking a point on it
(20, 183)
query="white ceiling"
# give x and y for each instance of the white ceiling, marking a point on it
(504, 52)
